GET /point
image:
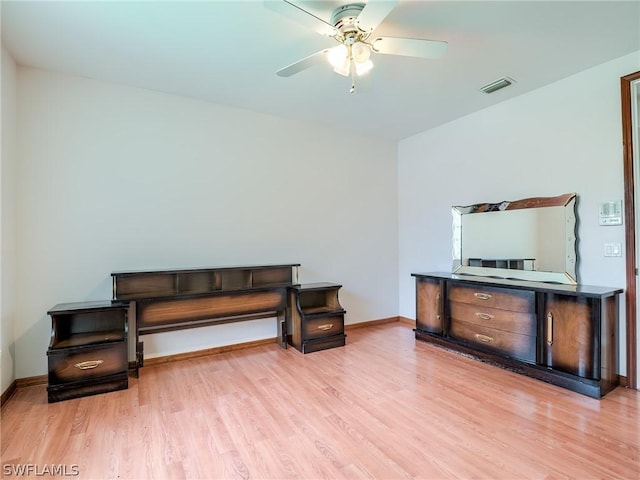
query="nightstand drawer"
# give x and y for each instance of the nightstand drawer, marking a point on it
(323, 327)
(83, 363)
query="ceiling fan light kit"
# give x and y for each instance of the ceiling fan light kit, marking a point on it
(351, 25)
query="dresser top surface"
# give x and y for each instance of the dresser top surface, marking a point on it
(581, 290)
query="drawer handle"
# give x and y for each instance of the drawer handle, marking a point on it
(549, 328)
(484, 316)
(89, 364)
(326, 326)
(484, 338)
(482, 296)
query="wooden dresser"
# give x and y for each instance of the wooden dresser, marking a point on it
(563, 334)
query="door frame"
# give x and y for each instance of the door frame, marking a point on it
(630, 231)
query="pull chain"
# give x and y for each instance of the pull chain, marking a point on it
(352, 69)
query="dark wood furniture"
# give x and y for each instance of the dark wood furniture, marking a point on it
(566, 335)
(315, 317)
(167, 300)
(88, 351)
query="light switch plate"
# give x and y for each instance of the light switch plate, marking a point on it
(612, 249)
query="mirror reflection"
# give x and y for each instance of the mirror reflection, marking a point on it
(531, 239)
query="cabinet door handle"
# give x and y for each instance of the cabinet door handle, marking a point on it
(89, 364)
(484, 316)
(549, 328)
(438, 306)
(482, 296)
(484, 338)
(326, 326)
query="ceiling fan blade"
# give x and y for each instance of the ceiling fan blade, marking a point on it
(409, 47)
(294, 12)
(304, 63)
(373, 13)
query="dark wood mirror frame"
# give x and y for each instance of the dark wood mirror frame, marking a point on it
(630, 235)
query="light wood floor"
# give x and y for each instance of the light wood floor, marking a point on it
(383, 407)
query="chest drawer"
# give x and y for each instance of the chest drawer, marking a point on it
(323, 327)
(523, 323)
(78, 364)
(503, 298)
(522, 347)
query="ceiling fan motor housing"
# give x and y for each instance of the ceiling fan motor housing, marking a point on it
(344, 18)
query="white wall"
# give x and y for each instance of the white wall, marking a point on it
(7, 204)
(565, 137)
(117, 178)
(110, 177)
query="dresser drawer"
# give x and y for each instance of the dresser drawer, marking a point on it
(505, 320)
(77, 364)
(322, 327)
(503, 298)
(522, 347)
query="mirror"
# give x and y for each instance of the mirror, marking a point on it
(529, 239)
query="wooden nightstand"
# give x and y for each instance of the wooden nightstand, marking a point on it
(316, 318)
(88, 352)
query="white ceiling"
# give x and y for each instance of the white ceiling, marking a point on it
(227, 52)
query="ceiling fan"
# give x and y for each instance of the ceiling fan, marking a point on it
(352, 26)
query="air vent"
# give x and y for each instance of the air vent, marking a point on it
(497, 85)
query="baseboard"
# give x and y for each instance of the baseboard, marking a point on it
(8, 393)
(370, 323)
(622, 381)
(149, 362)
(407, 321)
(32, 381)
(21, 383)
(381, 321)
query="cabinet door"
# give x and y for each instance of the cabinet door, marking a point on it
(429, 305)
(570, 326)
